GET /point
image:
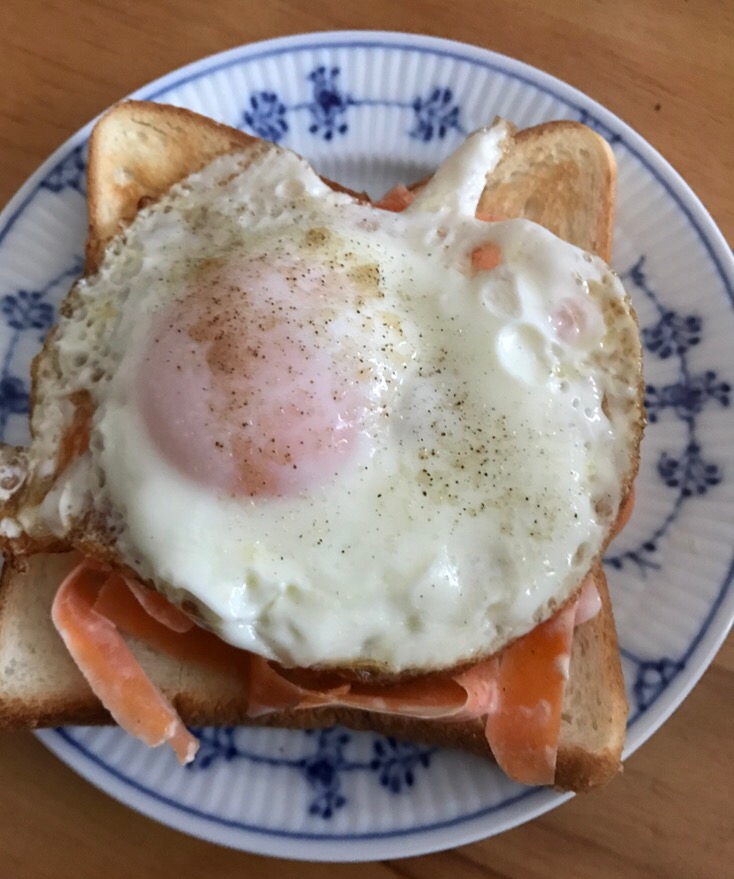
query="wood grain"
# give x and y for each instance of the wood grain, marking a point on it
(663, 67)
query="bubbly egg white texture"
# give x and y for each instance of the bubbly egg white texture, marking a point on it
(314, 420)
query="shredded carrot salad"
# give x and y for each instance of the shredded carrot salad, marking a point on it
(519, 692)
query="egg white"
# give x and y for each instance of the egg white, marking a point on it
(490, 463)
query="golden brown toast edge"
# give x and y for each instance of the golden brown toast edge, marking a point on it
(137, 151)
(573, 188)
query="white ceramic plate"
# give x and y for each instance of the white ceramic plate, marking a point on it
(371, 109)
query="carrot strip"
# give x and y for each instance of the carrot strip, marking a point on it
(524, 725)
(486, 257)
(273, 688)
(396, 200)
(270, 691)
(520, 692)
(117, 603)
(480, 683)
(432, 696)
(160, 608)
(112, 670)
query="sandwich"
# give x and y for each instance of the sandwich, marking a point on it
(300, 458)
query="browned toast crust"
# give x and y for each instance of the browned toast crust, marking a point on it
(572, 191)
(138, 152)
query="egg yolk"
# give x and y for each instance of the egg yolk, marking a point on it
(242, 387)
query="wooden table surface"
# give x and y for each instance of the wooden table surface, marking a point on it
(664, 66)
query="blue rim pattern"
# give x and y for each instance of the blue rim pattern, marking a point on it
(654, 677)
(266, 116)
(291, 834)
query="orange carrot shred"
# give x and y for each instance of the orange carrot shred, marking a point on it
(396, 200)
(486, 257)
(520, 691)
(117, 603)
(111, 669)
(524, 725)
(269, 690)
(273, 688)
(480, 683)
(160, 608)
(429, 696)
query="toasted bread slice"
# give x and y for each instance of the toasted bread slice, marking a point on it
(139, 152)
(571, 189)
(41, 686)
(135, 156)
(142, 149)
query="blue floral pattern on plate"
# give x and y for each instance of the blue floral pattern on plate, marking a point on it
(394, 764)
(26, 312)
(686, 470)
(267, 115)
(323, 104)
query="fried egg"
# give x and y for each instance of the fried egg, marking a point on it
(316, 423)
